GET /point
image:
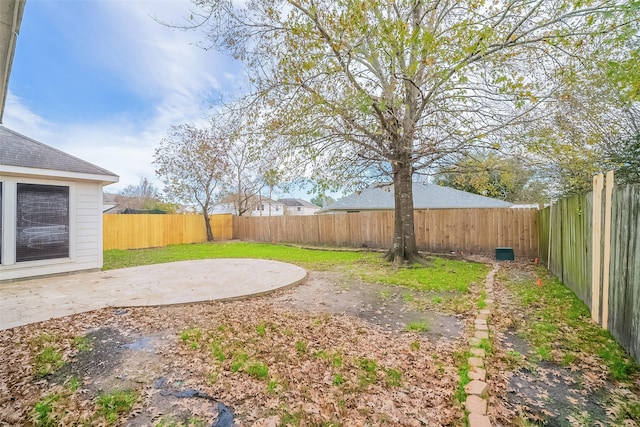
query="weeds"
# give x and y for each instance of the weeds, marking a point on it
(421, 326)
(112, 405)
(560, 329)
(48, 361)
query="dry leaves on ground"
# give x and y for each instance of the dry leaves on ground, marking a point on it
(270, 364)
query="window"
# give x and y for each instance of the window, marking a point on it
(42, 222)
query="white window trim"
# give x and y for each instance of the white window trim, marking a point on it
(9, 205)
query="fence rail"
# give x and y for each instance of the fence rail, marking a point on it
(437, 230)
(149, 231)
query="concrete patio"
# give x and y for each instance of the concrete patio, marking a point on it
(34, 300)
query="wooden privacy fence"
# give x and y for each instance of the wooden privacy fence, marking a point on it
(437, 230)
(592, 243)
(149, 231)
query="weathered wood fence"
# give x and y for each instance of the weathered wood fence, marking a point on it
(437, 230)
(149, 231)
(592, 243)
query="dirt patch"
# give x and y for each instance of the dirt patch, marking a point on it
(553, 394)
(551, 388)
(384, 306)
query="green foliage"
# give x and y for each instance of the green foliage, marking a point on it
(367, 372)
(462, 359)
(301, 347)
(352, 89)
(113, 405)
(625, 157)
(258, 370)
(394, 377)
(338, 380)
(42, 412)
(83, 344)
(47, 361)
(192, 337)
(560, 329)
(490, 175)
(420, 326)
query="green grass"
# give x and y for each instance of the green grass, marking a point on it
(462, 359)
(367, 373)
(258, 370)
(559, 327)
(42, 414)
(48, 361)
(440, 275)
(301, 347)
(239, 360)
(191, 337)
(113, 405)
(308, 258)
(394, 377)
(421, 326)
(83, 344)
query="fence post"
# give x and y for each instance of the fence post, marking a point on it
(607, 249)
(596, 238)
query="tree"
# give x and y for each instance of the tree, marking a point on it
(144, 196)
(488, 174)
(322, 200)
(397, 85)
(191, 162)
(592, 119)
(242, 182)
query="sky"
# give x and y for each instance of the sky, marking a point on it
(103, 80)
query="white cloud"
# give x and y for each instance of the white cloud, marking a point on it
(161, 65)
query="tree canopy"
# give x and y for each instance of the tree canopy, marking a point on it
(191, 162)
(364, 89)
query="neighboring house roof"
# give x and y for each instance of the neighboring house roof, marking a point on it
(425, 196)
(297, 202)
(21, 154)
(11, 12)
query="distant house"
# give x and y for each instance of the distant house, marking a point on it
(51, 209)
(257, 206)
(425, 196)
(298, 207)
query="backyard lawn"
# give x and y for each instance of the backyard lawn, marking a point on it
(359, 343)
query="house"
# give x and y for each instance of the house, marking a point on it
(298, 207)
(425, 196)
(50, 209)
(257, 205)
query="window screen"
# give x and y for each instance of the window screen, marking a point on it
(1, 223)
(42, 222)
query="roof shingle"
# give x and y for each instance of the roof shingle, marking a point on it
(19, 150)
(425, 196)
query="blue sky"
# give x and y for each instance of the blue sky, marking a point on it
(103, 81)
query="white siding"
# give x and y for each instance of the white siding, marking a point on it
(85, 231)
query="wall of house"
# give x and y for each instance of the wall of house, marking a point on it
(300, 210)
(85, 229)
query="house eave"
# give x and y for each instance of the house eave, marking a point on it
(11, 12)
(56, 174)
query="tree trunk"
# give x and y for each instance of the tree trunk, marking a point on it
(404, 249)
(207, 224)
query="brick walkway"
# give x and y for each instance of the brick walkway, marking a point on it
(477, 390)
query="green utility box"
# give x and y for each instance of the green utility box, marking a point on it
(504, 254)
